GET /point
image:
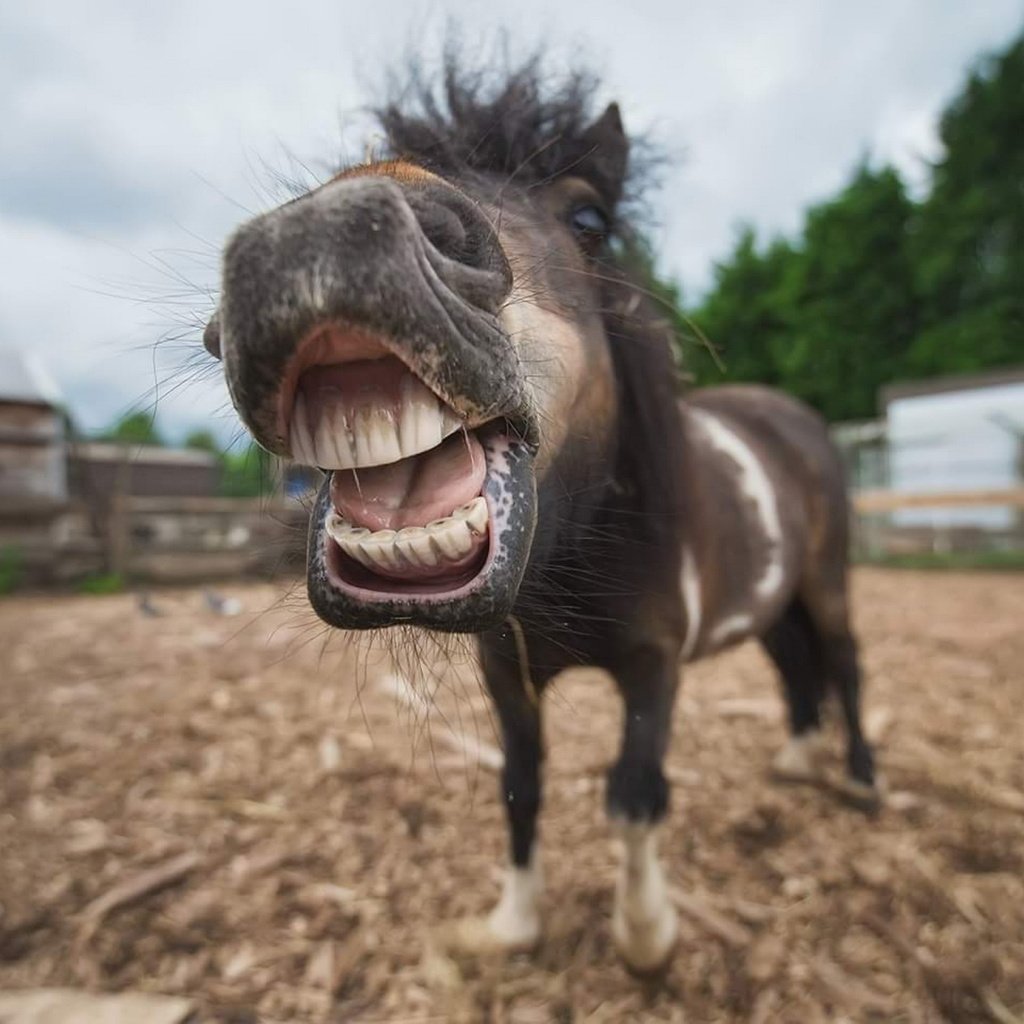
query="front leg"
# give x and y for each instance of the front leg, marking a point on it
(644, 924)
(515, 922)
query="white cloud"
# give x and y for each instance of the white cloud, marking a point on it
(135, 137)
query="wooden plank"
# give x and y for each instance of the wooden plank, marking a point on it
(159, 567)
(889, 501)
(18, 506)
(213, 506)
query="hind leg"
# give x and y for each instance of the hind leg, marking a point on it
(844, 668)
(792, 645)
(829, 613)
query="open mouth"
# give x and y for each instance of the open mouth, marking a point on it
(420, 506)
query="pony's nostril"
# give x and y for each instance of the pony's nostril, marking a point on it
(456, 228)
(472, 262)
(444, 230)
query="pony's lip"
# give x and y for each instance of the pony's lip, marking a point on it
(383, 533)
(407, 471)
(472, 600)
(348, 576)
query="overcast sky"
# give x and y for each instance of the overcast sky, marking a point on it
(134, 136)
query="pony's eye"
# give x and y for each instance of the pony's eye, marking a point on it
(590, 223)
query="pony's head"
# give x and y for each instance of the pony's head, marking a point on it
(431, 330)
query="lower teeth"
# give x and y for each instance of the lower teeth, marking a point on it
(415, 547)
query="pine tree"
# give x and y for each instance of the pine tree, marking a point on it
(853, 304)
(745, 316)
(969, 237)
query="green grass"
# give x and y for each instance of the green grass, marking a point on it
(10, 569)
(1009, 561)
(107, 583)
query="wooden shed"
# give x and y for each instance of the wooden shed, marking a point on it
(32, 434)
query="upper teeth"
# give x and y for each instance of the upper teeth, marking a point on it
(371, 435)
(444, 540)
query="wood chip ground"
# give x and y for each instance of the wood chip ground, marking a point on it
(253, 814)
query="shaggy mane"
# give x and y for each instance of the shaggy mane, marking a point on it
(522, 121)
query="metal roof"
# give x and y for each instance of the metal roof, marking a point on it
(953, 382)
(24, 378)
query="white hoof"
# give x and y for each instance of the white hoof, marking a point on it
(515, 922)
(646, 943)
(513, 926)
(797, 761)
(487, 936)
(644, 923)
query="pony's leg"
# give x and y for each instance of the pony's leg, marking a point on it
(515, 922)
(792, 645)
(829, 612)
(644, 923)
(825, 595)
(843, 666)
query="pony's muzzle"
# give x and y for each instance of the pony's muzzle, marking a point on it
(416, 265)
(360, 332)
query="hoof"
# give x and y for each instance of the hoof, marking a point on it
(469, 938)
(513, 926)
(646, 945)
(862, 795)
(494, 934)
(797, 761)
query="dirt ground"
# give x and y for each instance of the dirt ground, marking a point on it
(245, 810)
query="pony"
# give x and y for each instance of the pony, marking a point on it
(458, 335)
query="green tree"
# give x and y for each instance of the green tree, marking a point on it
(204, 441)
(746, 315)
(249, 473)
(852, 304)
(134, 428)
(875, 288)
(969, 237)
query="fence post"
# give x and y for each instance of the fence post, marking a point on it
(119, 520)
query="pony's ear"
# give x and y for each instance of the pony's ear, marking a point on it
(607, 154)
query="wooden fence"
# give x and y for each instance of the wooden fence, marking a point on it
(875, 535)
(186, 539)
(166, 539)
(865, 502)
(193, 538)
(155, 539)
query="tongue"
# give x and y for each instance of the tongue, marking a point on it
(413, 491)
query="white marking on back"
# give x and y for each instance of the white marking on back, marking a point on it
(754, 484)
(515, 921)
(644, 922)
(691, 601)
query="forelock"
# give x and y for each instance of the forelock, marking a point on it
(522, 122)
